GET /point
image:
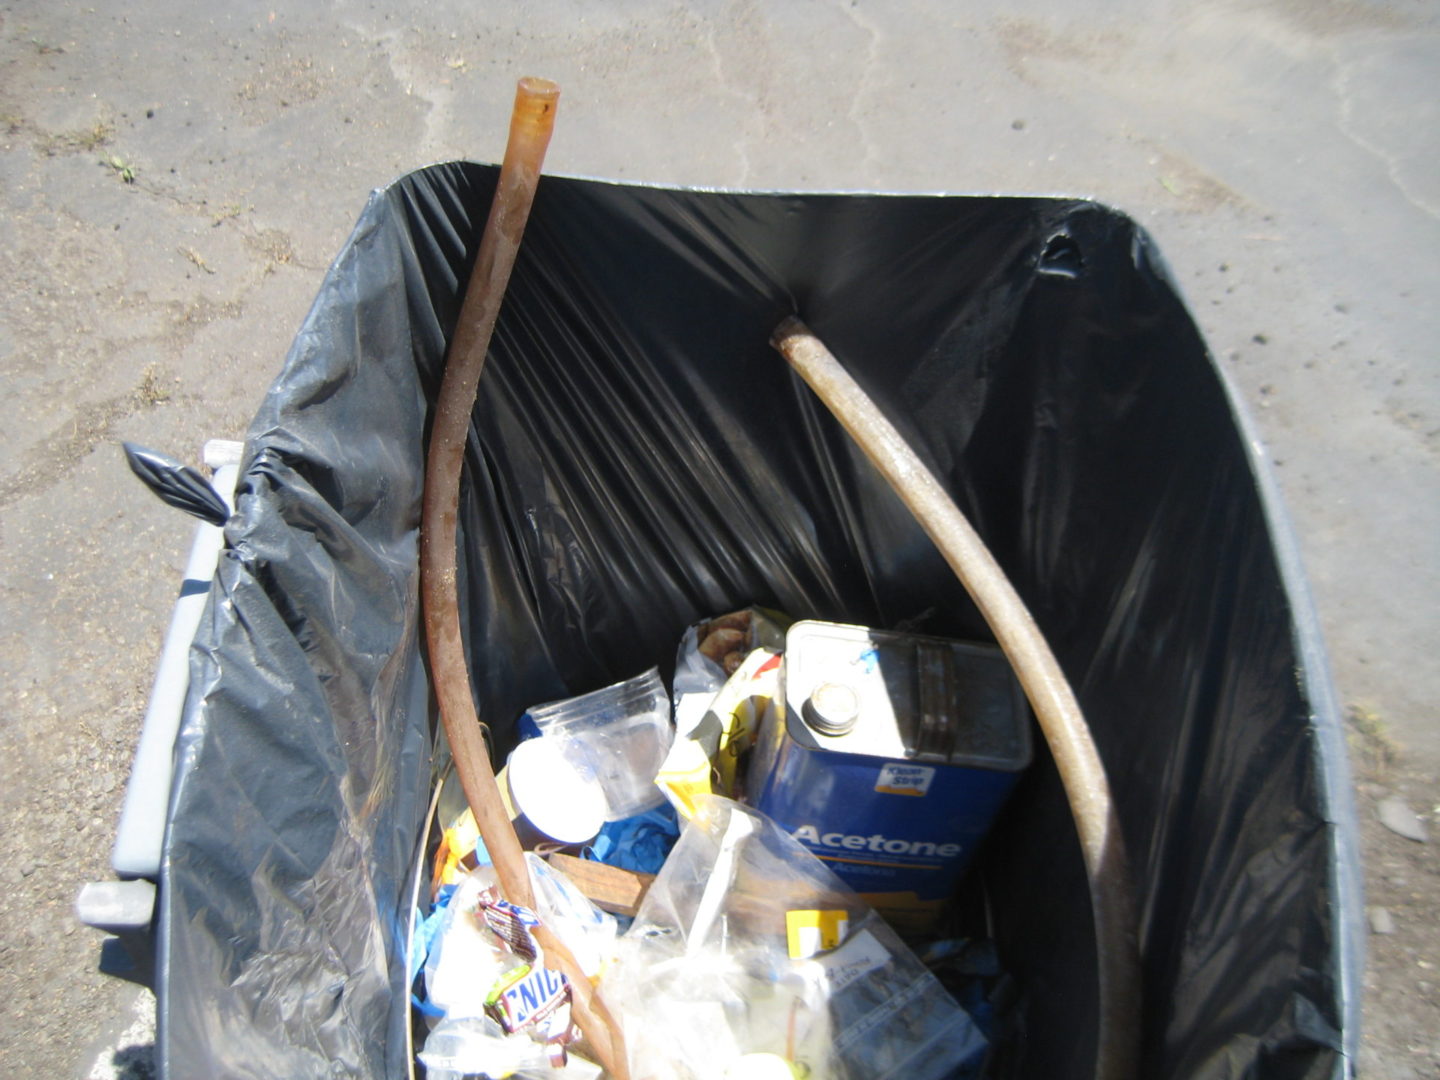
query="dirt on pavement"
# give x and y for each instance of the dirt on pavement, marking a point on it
(174, 180)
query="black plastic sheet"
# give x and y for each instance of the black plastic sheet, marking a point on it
(640, 458)
(176, 484)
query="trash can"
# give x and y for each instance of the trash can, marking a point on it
(640, 457)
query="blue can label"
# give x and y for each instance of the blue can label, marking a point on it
(897, 800)
(877, 849)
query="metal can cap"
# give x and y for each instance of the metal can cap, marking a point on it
(832, 709)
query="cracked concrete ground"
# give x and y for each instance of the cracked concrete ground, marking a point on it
(175, 178)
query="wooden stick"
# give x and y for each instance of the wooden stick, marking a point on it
(610, 888)
(531, 123)
(1081, 771)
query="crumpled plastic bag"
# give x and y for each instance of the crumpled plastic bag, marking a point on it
(726, 673)
(640, 843)
(471, 960)
(747, 944)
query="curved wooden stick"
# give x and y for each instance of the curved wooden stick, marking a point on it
(1081, 771)
(531, 123)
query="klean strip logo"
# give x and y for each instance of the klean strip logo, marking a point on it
(897, 778)
(834, 841)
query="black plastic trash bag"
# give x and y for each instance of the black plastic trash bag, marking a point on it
(640, 458)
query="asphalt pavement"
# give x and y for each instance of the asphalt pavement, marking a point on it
(175, 178)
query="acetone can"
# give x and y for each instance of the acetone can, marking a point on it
(889, 755)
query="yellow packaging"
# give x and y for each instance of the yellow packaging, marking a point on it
(702, 759)
(810, 932)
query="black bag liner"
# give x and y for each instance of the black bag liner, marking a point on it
(640, 458)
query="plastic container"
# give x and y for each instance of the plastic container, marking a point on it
(619, 734)
(553, 799)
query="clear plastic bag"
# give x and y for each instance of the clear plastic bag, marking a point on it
(469, 1046)
(463, 962)
(721, 689)
(477, 1046)
(711, 650)
(747, 944)
(587, 932)
(473, 968)
(710, 744)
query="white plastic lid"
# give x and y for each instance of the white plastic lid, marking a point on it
(553, 794)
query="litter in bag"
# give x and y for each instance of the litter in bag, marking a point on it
(718, 965)
(639, 458)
